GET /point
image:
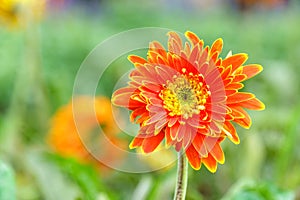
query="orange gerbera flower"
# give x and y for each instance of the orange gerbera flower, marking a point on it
(69, 131)
(188, 96)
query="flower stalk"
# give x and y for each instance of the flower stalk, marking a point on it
(182, 177)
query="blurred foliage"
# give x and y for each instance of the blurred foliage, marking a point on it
(7, 183)
(249, 190)
(84, 176)
(268, 153)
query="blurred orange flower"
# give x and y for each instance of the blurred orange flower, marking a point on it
(188, 96)
(70, 132)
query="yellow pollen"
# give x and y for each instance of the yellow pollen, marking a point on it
(185, 95)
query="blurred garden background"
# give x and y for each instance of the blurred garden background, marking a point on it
(42, 45)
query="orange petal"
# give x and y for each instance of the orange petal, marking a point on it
(160, 125)
(142, 118)
(156, 88)
(150, 143)
(155, 117)
(174, 43)
(161, 60)
(234, 86)
(199, 145)
(210, 163)
(152, 56)
(174, 35)
(239, 78)
(237, 112)
(136, 59)
(230, 92)
(174, 131)
(136, 142)
(181, 132)
(188, 136)
(218, 153)
(137, 112)
(253, 104)
(193, 38)
(239, 97)
(172, 121)
(193, 157)
(178, 146)
(215, 56)
(121, 97)
(226, 82)
(218, 62)
(230, 131)
(244, 122)
(194, 56)
(251, 70)
(168, 140)
(157, 47)
(217, 46)
(236, 60)
(226, 72)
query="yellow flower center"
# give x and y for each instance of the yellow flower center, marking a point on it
(185, 95)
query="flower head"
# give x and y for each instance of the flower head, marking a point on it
(70, 130)
(188, 96)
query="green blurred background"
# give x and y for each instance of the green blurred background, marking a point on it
(266, 165)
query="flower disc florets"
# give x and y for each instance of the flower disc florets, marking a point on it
(185, 95)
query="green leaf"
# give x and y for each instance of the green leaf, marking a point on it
(7, 183)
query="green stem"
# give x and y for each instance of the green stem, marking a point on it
(182, 177)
